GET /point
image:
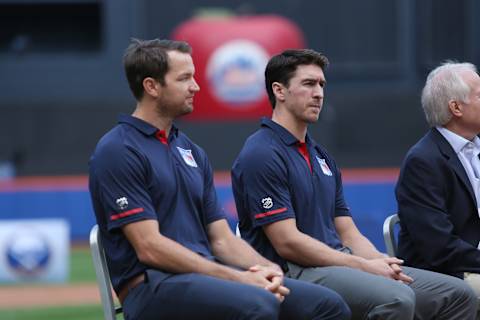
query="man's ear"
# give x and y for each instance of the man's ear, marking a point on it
(279, 91)
(456, 109)
(151, 87)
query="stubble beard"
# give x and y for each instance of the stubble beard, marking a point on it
(165, 109)
(311, 118)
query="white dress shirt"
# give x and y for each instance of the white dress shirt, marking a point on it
(467, 152)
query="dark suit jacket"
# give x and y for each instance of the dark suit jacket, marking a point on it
(440, 226)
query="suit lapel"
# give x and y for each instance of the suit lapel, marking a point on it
(452, 159)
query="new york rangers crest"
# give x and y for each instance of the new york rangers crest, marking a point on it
(187, 157)
(325, 168)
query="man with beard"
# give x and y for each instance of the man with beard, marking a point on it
(169, 249)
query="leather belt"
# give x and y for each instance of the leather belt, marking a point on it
(132, 283)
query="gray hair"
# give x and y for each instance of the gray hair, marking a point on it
(444, 84)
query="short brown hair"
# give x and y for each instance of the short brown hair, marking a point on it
(148, 58)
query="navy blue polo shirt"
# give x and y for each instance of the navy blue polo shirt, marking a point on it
(272, 181)
(137, 173)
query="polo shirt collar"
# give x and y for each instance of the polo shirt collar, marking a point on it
(284, 134)
(143, 126)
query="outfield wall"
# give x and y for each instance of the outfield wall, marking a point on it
(369, 193)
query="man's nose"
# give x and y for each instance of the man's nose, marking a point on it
(195, 87)
(318, 92)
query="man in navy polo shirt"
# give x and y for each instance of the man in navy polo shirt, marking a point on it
(166, 239)
(290, 203)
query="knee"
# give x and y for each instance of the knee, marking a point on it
(333, 307)
(398, 303)
(464, 292)
(339, 310)
(468, 292)
(472, 301)
(343, 311)
(261, 306)
(404, 299)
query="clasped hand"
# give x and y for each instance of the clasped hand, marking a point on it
(388, 267)
(268, 277)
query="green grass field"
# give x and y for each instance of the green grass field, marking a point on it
(86, 312)
(81, 270)
(81, 266)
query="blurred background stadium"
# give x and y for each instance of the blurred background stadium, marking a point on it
(62, 87)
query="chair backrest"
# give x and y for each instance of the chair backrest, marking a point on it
(237, 232)
(103, 277)
(389, 234)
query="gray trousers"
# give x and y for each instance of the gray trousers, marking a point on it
(430, 296)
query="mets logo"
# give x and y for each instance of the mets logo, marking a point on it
(235, 72)
(122, 203)
(267, 203)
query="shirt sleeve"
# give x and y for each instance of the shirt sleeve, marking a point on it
(213, 210)
(264, 182)
(341, 207)
(118, 184)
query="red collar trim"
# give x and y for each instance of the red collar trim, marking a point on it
(161, 136)
(302, 148)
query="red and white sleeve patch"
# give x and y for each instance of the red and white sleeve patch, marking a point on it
(125, 214)
(270, 213)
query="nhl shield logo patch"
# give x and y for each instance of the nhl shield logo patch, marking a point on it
(267, 203)
(325, 168)
(187, 157)
(122, 203)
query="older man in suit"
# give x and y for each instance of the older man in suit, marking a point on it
(438, 191)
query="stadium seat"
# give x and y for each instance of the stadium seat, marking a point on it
(389, 234)
(103, 277)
